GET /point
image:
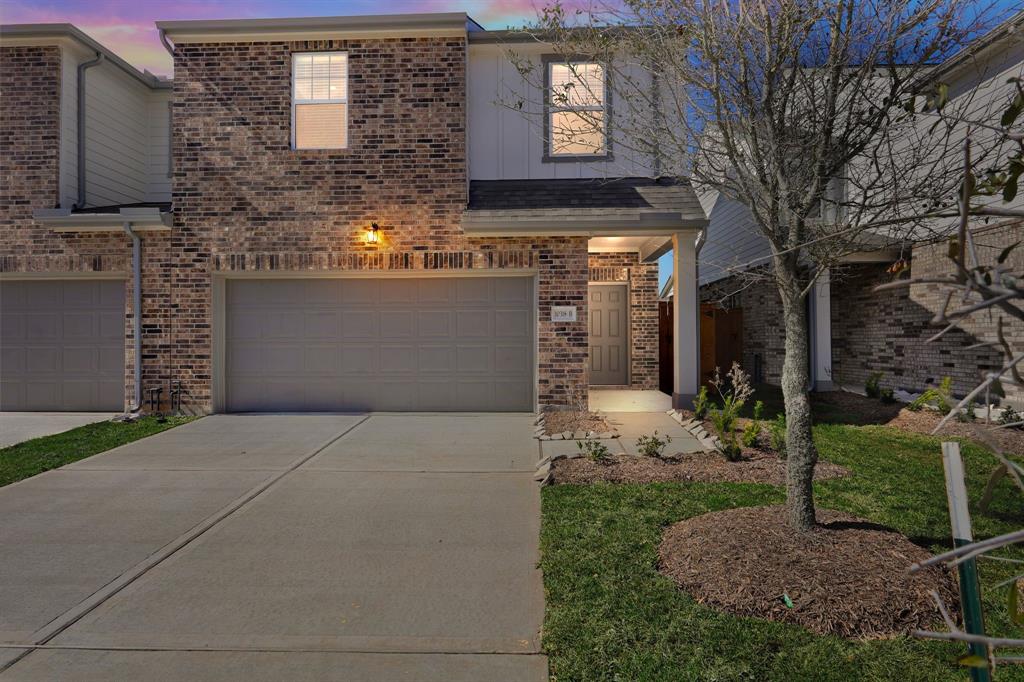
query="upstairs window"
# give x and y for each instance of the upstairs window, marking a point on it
(319, 100)
(577, 110)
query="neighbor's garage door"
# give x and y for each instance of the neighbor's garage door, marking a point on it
(62, 345)
(402, 344)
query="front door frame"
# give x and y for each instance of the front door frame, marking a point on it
(629, 330)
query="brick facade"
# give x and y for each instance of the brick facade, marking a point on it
(883, 331)
(643, 303)
(244, 200)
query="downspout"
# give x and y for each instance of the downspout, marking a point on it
(701, 238)
(80, 123)
(167, 43)
(137, 309)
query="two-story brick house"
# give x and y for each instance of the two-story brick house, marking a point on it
(322, 214)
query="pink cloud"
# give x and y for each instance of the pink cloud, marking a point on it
(127, 26)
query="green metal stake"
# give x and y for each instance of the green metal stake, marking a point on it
(960, 522)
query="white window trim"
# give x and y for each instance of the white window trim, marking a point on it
(552, 108)
(334, 100)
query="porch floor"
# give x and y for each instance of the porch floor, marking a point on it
(625, 400)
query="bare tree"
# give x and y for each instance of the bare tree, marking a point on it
(796, 109)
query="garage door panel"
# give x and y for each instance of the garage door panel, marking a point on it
(474, 290)
(362, 292)
(49, 294)
(359, 358)
(472, 323)
(322, 324)
(282, 324)
(80, 360)
(283, 358)
(12, 359)
(511, 324)
(436, 359)
(514, 290)
(435, 291)
(397, 324)
(42, 326)
(398, 358)
(359, 324)
(425, 344)
(473, 359)
(321, 359)
(112, 326)
(13, 327)
(42, 359)
(64, 345)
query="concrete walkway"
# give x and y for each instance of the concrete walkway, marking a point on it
(281, 547)
(17, 427)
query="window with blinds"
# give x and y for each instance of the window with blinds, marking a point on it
(577, 109)
(319, 100)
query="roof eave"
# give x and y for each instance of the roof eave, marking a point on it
(141, 219)
(301, 28)
(22, 32)
(539, 223)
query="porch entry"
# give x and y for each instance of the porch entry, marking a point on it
(609, 334)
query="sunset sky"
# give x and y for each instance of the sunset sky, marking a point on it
(127, 26)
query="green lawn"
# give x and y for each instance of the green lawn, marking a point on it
(612, 616)
(49, 452)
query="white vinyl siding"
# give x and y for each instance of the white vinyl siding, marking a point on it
(319, 100)
(734, 242)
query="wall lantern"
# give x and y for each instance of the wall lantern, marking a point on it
(373, 233)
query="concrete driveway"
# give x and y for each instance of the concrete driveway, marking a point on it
(16, 427)
(319, 547)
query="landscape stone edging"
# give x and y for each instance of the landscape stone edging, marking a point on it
(695, 428)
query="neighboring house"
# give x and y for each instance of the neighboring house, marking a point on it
(857, 331)
(349, 218)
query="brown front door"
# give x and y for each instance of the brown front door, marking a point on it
(609, 334)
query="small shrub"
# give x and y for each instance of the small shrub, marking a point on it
(701, 403)
(652, 446)
(595, 451)
(968, 415)
(937, 398)
(751, 434)
(1009, 416)
(759, 410)
(887, 396)
(734, 389)
(871, 386)
(777, 434)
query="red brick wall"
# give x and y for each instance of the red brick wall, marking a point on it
(643, 310)
(763, 332)
(244, 199)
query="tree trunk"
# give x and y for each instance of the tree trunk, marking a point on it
(801, 455)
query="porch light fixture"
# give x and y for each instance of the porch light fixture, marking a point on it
(373, 234)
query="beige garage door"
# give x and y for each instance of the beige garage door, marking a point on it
(398, 344)
(62, 345)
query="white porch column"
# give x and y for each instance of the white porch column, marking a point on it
(686, 320)
(821, 333)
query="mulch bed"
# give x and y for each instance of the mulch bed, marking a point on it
(559, 421)
(706, 467)
(848, 577)
(1011, 441)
